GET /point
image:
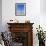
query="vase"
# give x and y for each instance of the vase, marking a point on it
(41, 43)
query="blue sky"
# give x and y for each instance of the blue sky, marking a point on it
(20, 7)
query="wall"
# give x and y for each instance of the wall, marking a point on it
(43, 6)
(33, 13)
(0, 15)
(43, 14)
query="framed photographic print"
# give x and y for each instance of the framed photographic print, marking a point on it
(20, 9)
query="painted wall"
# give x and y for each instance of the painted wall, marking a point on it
(33, 13)
(0, 15)
(43, 6)
(43, 14)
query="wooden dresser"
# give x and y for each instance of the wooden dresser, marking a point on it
(22, 33)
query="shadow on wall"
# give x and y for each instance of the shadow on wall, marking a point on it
(0, 15)
(43, 6)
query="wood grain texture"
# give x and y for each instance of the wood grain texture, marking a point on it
(23, 27)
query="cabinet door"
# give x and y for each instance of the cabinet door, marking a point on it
(20, 37)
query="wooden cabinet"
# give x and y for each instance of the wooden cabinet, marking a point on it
(22, 33)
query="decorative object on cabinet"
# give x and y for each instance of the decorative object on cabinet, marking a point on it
(13, 21)
(20, 9)
(27, 21)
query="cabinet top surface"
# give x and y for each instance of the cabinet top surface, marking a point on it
(20, 23)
